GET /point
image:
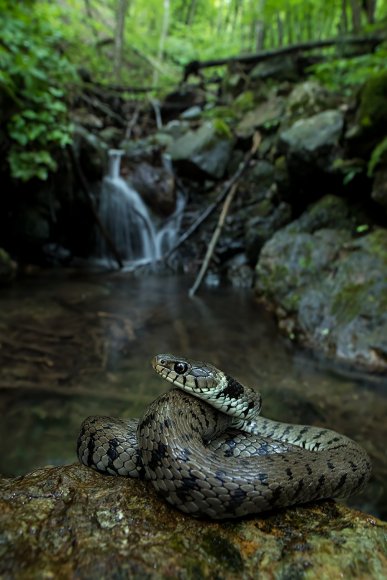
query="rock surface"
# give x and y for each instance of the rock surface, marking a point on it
(311, 146)
(70, 522)
(204, 152)
(328, 286)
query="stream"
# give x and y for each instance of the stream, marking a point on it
(73, 345)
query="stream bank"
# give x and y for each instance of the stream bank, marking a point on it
(315, 188)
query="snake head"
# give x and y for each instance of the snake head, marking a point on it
(194, 377)
(208, 383)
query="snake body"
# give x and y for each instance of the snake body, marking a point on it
(208, 452)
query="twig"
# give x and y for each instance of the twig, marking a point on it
(132, 122)
(220, 224)
(94, 102)
(212, 207)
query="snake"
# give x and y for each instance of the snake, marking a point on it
(209, 452)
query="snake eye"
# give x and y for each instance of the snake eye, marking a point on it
(180, 368)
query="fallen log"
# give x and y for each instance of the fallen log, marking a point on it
(193, 67)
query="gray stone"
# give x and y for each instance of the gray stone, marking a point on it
(156, 185)
(327, 286)
(315, 135)
(267, 116)
(205, 152)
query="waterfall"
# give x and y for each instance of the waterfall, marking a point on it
(138, 236)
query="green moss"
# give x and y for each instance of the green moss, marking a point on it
(226, 114)
(373, 105)
(355, 300)
(378, 243)
(221, 128)
(224, 551)
(244, 102)
(349, 301)
(379, 154)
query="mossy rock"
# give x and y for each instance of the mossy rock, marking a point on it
(71, 522)
(327, 285)
(372, 113)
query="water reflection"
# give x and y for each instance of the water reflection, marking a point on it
(76, 346)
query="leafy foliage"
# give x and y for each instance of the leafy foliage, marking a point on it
(378, 154)
(344, 74)
(43, 42)
(32, 84)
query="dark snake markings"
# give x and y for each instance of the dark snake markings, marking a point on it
(208, 452)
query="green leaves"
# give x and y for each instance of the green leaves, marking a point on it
(28, 164)
(34, 76)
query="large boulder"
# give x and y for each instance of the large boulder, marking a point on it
(312, 146)
(204, 153)
(156, 186)
(71, 522)
(327, 285)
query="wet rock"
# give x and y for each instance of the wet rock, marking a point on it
(267, 116)
(379, 188)
(372, 112)
(91, 153)
(31, 226)
(204, 152)
(327, 286)
(8, 267)
(239, 272)
(70, 522)
(156, 185)
(180, 100)
(261, 228)
(311, 146)
(309, 98)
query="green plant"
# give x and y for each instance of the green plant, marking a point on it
(377, 154)
(347, 74)
(33, 77)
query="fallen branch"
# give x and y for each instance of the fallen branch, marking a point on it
(212, 207)
(220, 224)
(96, 103)
(194, 66)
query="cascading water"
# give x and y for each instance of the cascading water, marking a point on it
(131, 226)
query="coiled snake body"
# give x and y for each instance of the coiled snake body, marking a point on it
(207, 450)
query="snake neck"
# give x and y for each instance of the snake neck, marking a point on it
(184, 417)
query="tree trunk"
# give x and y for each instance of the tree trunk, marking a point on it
(190, 12)
(289, 24)
(280, 31)
(356, 15)
(344, 18)
(259, 35)
(163, 37)
(370, 8)
(121, 11)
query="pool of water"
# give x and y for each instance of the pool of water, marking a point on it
(73, 345)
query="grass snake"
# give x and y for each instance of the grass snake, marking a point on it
(208, 451)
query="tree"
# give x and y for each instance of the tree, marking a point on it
(121, 12)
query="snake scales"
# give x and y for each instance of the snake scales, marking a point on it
(208, 452)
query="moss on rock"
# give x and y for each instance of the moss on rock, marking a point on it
(71, 522)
